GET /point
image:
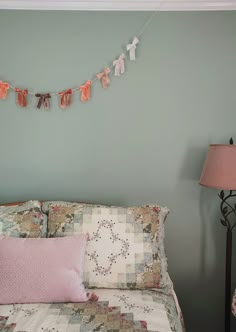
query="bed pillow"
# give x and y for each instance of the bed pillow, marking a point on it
(126, 245)
(42, 270)
(25, 220)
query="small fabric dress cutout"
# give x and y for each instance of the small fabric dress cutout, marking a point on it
(21, 99)
(119, 65)
(4, 86)
(43, 100)
(103, 76)
(65, 98)
(85, 91)
(132, 48)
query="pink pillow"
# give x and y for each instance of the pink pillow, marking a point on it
(42, 270)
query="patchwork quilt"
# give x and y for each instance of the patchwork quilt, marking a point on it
(116, 310)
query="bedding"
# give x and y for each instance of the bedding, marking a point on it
(115, 310)
(138, 302)
(133, 239)
(42, 270)
(23, 220)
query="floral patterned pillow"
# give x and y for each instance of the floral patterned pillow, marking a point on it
(25, 220)
(125, 247)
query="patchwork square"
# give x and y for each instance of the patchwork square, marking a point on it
(25, 220)
(125, 247)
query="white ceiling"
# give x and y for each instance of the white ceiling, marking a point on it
(117, 5)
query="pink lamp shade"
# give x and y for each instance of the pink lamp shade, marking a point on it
(219, 170)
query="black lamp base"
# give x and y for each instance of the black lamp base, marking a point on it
(228, 295)
(227, 210)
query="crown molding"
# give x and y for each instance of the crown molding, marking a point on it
(119, 5)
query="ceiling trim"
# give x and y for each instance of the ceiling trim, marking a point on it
(119, 5)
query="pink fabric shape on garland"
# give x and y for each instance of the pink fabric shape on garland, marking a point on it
(4, 86)
(103, 76)
(21, 97)
(65, 98)
(119, 65)
(85, 91)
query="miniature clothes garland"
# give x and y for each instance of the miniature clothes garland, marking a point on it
(65, 97)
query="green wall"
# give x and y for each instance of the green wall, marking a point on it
(141, 141)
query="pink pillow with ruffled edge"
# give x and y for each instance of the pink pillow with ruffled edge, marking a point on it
(42, 269)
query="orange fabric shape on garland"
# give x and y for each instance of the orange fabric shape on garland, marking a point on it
(65, 98)
(4, 86)
(21, 97)
(85, 91)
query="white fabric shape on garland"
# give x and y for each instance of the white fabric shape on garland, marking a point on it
(119, 65)
(132, 47)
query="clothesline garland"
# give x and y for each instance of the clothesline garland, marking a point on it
(43, 99)
(65, 97)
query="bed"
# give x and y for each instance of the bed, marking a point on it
(137, 301)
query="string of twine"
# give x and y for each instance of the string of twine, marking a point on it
(95, 78)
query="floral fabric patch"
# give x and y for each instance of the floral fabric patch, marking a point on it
(26, 220)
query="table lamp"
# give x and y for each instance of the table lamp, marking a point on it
(219, 171)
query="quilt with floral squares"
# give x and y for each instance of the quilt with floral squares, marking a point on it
(115, 310)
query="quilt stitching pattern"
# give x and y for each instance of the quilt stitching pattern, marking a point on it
(19, 308)
(112, 258)
(128, 304)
